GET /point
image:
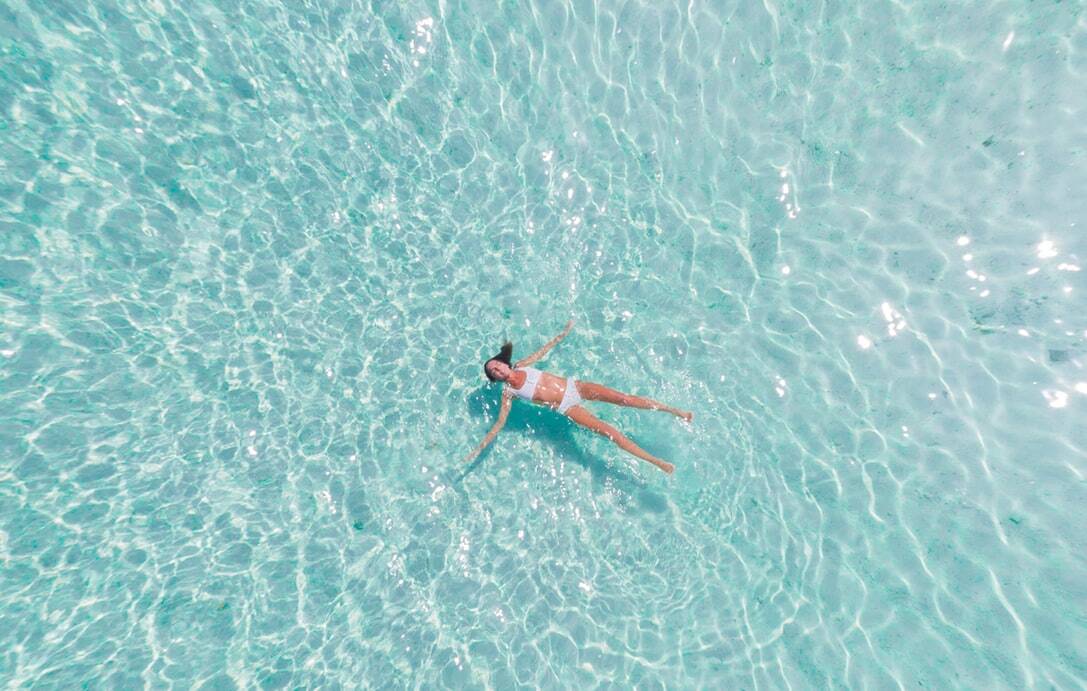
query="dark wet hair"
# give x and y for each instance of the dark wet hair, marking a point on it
(504, 355)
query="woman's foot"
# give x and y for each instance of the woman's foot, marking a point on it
(681, 414)
(667, 467)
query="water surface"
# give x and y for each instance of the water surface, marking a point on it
(253, 255)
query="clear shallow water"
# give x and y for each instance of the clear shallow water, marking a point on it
(252, 259)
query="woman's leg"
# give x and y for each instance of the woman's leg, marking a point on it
(586, 419)
(598, 392)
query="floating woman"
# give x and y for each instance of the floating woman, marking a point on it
(565, 395)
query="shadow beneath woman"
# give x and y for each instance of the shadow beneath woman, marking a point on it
(558, 430)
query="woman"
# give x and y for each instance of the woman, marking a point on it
(566, 396)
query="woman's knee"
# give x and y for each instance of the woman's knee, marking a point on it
(616, 436)
(606, 430)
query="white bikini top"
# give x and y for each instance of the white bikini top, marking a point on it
(532, 376)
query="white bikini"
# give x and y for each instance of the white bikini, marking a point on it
(532, 377)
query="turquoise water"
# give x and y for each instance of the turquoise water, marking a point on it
(252, 257)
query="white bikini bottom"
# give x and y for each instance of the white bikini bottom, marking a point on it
(571, 398)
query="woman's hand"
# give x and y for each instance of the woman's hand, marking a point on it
(503, 413)
(548, 346)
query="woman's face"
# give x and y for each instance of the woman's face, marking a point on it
(499, 370)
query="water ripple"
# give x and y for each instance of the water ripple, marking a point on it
(252, 259)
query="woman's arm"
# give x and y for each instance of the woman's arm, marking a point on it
(503, 413)
(543, 351)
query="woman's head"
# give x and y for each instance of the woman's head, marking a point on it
(499, 367)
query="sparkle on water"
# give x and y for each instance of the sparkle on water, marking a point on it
(252, 256)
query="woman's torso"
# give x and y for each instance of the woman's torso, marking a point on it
(549, 387)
